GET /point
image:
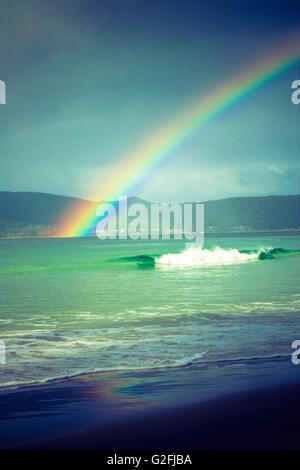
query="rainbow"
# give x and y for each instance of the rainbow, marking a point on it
(78, 220)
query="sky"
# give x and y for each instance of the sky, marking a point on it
(87, 81)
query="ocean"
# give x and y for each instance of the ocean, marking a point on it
(76, 306)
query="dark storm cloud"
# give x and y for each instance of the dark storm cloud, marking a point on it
(88, 80)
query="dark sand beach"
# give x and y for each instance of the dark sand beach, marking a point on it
(264, 419)
(245, 404)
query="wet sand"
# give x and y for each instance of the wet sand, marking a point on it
(241, 405)
(261, 419)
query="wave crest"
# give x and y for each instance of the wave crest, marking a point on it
(197, 256)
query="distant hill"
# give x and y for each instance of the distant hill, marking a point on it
(31, 214)
(253, 213)
(26, 213)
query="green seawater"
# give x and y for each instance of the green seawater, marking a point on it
(71, 306)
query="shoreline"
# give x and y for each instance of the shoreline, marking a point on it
(207, 407)
(164, 368)
(284, 231)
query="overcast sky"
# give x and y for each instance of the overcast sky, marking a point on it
(89, 80)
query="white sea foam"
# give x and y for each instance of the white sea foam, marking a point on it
(197, 257)
(185, 361)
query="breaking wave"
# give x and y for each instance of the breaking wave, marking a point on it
(196, 256)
